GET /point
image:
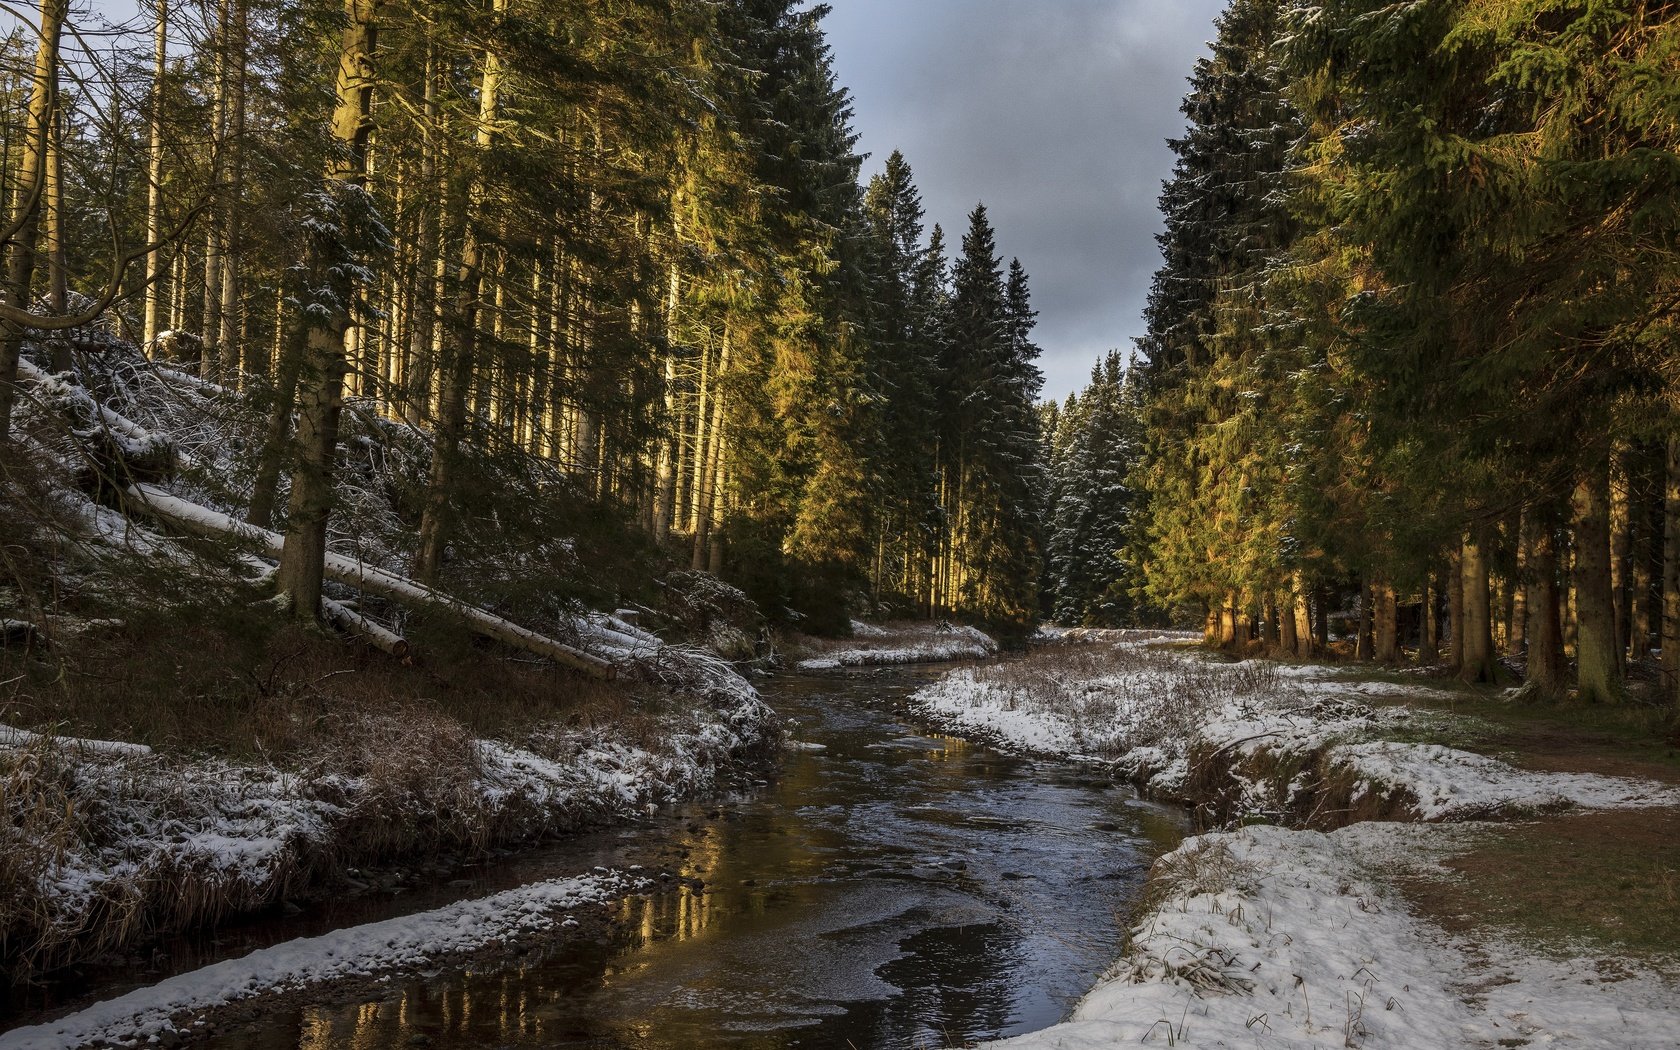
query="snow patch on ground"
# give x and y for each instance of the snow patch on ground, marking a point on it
(915, 644)
(381, 948)
(145, 824)
(1151, 711)
(1270, 938)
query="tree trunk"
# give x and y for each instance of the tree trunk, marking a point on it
(1305, 647)
(1597, 654)
(26, 213)
(457, 383)
(154, 177)
(229, 335)
(1386, 647)
(1362, 640)
(1455, 611)
(1621, 555)
(1546, 669)
(1671, 573)
(303, 558)
(1283, 609)
(1429, 626)
(1478, 663)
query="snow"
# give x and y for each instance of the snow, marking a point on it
(147, 822)
(1449, 783)
(922, 643)
(382, 948)
(1271, 938)
(1149, 711)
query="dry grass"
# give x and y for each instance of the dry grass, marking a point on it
(1119, 697)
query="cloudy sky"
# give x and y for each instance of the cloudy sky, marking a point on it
(1055, 113)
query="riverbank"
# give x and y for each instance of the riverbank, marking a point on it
(893, 645)
(112, 844)
(887, 888)
(1432, 874)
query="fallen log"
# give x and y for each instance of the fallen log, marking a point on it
(374, 580)
(376, 635)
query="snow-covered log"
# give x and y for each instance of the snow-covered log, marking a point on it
(374, 634)
(388, 585)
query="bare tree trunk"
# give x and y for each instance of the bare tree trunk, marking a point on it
(457, 383)
(1546, 670)
(1429, 627)
(1621, 554)
(271, 461)
(1386, 647)
(1304, 647)
(154, 176)
(230, 333)
(211, 324)
(303, 558)
(1455, 611)
(1671, 573)
(58, 287)
(26, 212)
(1479, 663)
(1597, 654)
(701, 555)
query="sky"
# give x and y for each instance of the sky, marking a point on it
(1055, 113)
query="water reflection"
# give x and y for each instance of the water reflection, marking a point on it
(894, 890)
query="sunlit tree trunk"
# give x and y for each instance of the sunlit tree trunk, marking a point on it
(457, 382)
(26, 211)
(1386, 646)
(1597, 654)
(322, 386)
(1671, 572)
(1479, 662)
(230, 314)
(154, 175)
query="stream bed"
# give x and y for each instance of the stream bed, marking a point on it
(890, 888)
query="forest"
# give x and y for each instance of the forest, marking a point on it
(620, 250)
(484, 483)
(1409, 373)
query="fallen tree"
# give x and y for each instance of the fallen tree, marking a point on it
(353, 573)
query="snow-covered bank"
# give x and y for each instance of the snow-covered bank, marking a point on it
(173, 1007)
(1271, 938)
(107, 844)
(1252, 738)
(875, 646)
(1288, 937)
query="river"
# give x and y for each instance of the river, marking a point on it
(891, 888)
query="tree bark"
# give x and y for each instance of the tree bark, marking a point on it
(154, 177)
(303, 558)
(1479, 663)
(1597, 654)
(1546, 668)
(1304, 640)
(1455, 611)
(1386, 648)
(457, 384)
(1671, 573)
(26, 213)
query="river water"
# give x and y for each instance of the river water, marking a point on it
(891, 888)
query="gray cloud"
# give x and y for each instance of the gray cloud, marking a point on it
(1056, 114)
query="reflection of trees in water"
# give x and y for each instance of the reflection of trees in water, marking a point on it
(842, 863)
(958, 985)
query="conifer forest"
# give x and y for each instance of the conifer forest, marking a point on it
(439, 437)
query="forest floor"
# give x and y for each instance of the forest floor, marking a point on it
(1403, 862)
